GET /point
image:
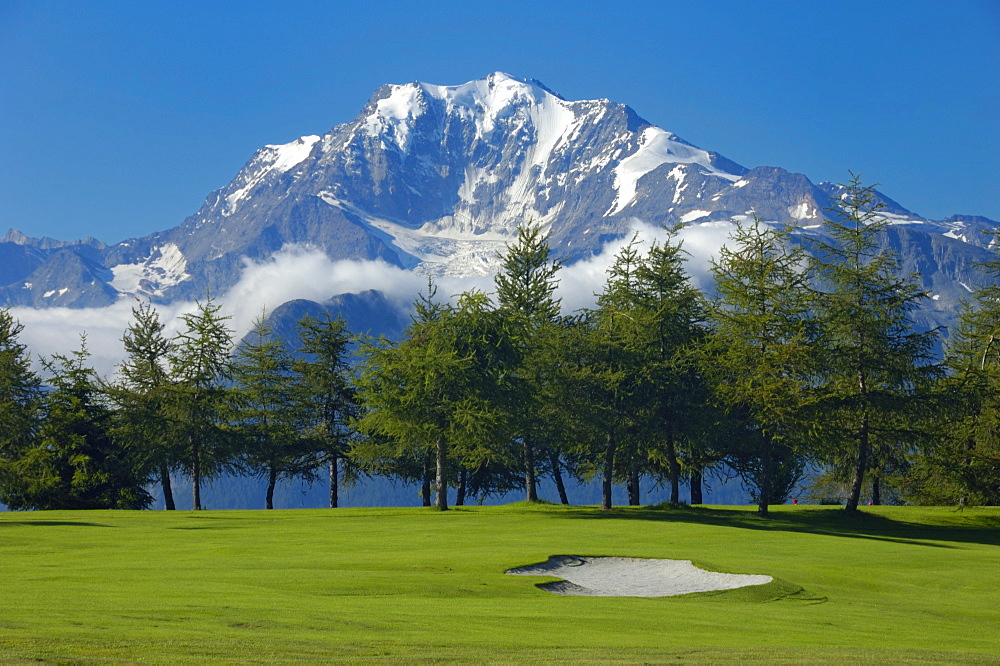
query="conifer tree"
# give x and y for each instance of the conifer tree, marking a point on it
(74, 463)
(141, 397)
(877, 368)
(673, 313)
(20, 401)
(200, 365)
(525, 292)
(326, 392)
(268, 417)
(759, 355)
(436, 392)
(965, 467)
(600, 370)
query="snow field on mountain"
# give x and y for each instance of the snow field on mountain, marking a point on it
(270, 160)
(656, 147)
(165, 267)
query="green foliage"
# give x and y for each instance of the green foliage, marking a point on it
(529, 310)
(269, 419)
(20, 398)
(199, 398)
(74, 463)
(965, 467)
(760, 356)
(602, 371)
(140, 396)
(878, 371)
(326, 393)
(440, 391)
(672, 313)
(526, 281)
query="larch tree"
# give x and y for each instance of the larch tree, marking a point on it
(74, 463)
(525, 293)
(200, 366)
(965, 467)
(672, 312)
(267, 415)
(437, 391)
(878, 370)
(20, 404)
(326, 392)
(603, 355)
(759, 354)
(141, 394)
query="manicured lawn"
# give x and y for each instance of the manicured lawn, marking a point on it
(891, 585)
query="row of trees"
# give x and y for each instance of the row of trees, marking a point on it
(798, 361)
(185, 404)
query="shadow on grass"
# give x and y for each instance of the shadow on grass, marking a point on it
(830, 522)
(53, 523)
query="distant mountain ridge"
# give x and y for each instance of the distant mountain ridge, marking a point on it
(437, 178)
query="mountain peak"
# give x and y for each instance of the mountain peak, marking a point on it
(435, 178)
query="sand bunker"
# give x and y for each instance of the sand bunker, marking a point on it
(632, 577)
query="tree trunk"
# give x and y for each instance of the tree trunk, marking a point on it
(272, 479)
(531, 494)
(425, 487)
(675, 469)
(634, 494)
(876, 490)
(767, 471)
(609, 464)
(860, 467)
(195, 475)
(696, 489)
(440, 478)
(463, 482)
(334, 482)
(557, 475)
(168, 493)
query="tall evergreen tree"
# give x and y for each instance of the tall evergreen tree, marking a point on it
(625, 328)
(141, 396)
(327, 392)
(74, 462)
(268, 417)
(601, 366)
(525, 292)
(965, 467)
(878, 369)
(759, 354)
(436, 391)
(200, 365)
(20, 401)
(672, 312)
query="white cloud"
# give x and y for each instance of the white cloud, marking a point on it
(298, 271)
(303, 272)
(580, 281)
(50, 331)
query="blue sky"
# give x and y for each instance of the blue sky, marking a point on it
(118, 118)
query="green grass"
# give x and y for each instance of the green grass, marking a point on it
(891, 585)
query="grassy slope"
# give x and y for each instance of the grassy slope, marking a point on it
(895, 584)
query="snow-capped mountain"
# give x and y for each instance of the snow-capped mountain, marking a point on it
(437, 178)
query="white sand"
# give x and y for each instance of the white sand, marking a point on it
(632, 577)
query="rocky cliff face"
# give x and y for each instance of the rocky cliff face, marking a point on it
(437, 178)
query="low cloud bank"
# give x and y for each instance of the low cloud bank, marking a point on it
(580, 282)
(301, 272)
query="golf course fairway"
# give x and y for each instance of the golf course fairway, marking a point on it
(891, 585)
